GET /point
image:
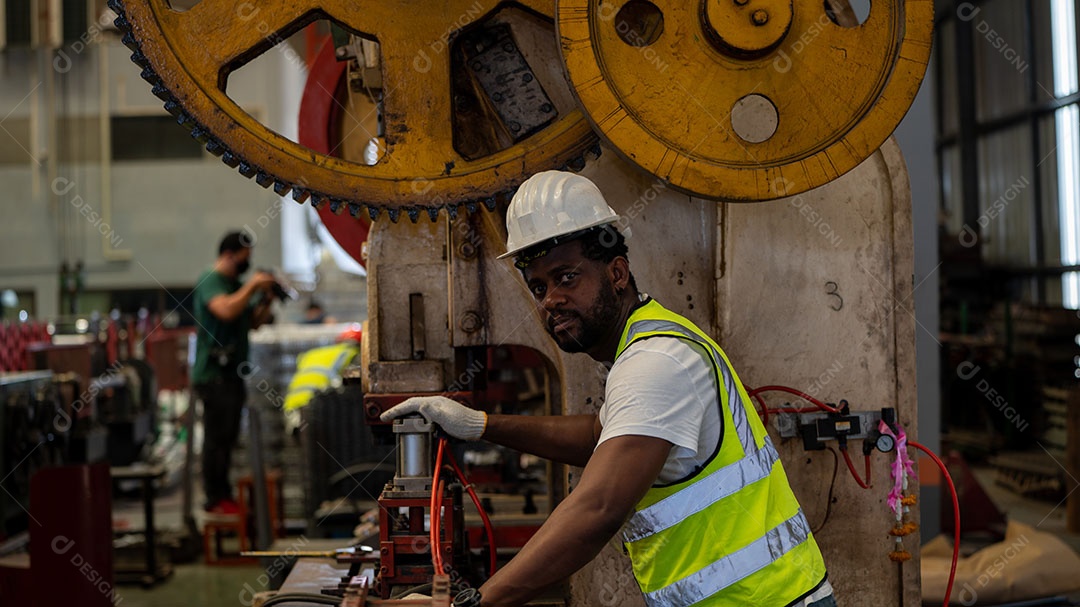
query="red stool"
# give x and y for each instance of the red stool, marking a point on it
(245, 491)
(213, 528)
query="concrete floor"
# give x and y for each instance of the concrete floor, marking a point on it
(213, 586)
(195, 584)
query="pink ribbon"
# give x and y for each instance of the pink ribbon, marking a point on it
(903, 466)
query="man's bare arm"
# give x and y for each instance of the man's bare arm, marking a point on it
(567, 439)
(228, 308)
(584, 522)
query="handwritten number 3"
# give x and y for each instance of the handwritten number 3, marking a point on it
(833, 290)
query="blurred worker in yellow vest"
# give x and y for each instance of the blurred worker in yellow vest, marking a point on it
(319, 369)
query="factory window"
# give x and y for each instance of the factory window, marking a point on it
(1067, 138)
(76, 20)
(1008, 152)
(17, 22)
(151, 138)
(17, 17)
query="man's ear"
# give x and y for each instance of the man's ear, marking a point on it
(619, 273)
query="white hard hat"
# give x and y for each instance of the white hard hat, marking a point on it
(552, 204)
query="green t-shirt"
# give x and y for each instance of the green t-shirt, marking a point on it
(220, 347)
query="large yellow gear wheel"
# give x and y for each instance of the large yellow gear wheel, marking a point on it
(744, 100)
(188, 55)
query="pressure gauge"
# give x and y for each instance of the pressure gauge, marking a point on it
(885, 443)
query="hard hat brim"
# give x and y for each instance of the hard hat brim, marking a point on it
(581, 229)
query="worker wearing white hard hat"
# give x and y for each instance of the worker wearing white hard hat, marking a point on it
(676, 457)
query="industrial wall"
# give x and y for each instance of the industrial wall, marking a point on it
(65, 198)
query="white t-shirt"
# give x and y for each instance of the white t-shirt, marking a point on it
(664, 387)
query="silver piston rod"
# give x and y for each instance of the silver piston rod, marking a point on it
(414, 454)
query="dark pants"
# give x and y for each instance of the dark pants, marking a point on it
(223, 401)
(825, 602)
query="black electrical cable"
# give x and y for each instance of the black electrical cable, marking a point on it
(302, 597)
(832, 484)
(421, 589)
(424, 589)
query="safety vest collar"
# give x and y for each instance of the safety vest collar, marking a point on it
(647, 323)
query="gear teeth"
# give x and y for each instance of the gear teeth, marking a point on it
(300, 194)
(160, 91)
(140, 60)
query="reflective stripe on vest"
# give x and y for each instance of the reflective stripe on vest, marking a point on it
(736, 565)
(705, 492)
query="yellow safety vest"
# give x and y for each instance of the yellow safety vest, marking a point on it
(733, 534)
(316, 370)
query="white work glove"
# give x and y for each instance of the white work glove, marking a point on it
(454, 418)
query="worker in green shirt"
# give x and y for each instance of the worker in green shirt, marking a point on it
(225, 309)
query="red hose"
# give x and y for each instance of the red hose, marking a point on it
(956, 516)
(851, 467)
(483, 515)
(800, 394)
(801, 410)
(436, 511)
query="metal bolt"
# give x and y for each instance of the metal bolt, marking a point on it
(471, 322)
(467, 250)
(372, 410)
(760, 17)
(741, 2)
